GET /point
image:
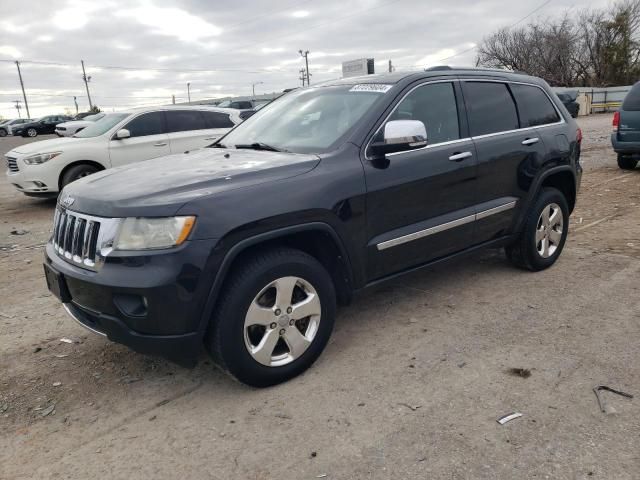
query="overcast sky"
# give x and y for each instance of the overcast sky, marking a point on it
(240, 42)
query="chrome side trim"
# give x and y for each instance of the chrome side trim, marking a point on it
(68, 310)
(445, 226)
(493, 211)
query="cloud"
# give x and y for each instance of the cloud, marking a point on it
(300, 13)
(13, 52)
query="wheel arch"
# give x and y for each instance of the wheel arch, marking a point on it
(93, 163)
(318, 239)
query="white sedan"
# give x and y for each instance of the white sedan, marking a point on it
(43, 168)
(69, 129)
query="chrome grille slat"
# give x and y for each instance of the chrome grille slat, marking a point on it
(12, 164)
(79, 238)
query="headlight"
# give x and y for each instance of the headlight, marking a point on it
(152, 233)
(40, 158)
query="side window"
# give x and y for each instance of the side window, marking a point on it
(184, 120)
(534, 106)
(490, 108)
(434, 105)
(217, 120)
(151, 123)
(631, 102)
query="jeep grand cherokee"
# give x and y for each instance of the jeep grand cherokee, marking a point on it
(248, 245)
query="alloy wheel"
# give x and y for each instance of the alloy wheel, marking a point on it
(282, 321)
(32, 132)
(549, 230)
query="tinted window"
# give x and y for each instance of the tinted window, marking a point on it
(534, 106)
(490, 108)
(435, 106)
(184, 120)
(217, 120)
(146, 124)
(632, 100)
(242, 105)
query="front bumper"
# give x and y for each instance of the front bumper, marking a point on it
(150, 302)
(34, 179)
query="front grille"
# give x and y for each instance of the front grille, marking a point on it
(12, 164)
(75, 237)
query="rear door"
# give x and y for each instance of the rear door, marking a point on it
(187, 130)
(218, 124)
(420, 203)
(505, 154)
(629, 128)
(148, 140)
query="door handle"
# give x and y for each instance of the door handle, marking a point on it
(458, 157)
(160, 144)
(530, 141)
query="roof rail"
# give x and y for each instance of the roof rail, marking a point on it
(483, 69)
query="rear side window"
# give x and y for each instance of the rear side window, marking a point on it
(434, 105)
(184, 120)
(217, 120)
(490, 108)
(151, 123)
(631, 102)
(534, 106)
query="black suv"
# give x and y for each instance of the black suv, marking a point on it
(248, 245)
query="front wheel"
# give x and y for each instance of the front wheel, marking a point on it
(32, 132)
(3, 132)
(626, 163)
(75, 173)
(544, 232)
(274, 317)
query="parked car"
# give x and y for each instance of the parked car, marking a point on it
(248, 245)
(568, 98)
(42, 126)
(83, 115)
(69, 129)
(6, 127)
(625, 137)
(43, 168)
(244, 114)
(237, 104)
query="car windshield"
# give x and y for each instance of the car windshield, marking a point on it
(94, 118)
(305, 121)
(101, 126)
(224, 104)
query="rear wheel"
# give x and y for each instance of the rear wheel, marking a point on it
(544, 232)
(32, 132)
(75, 173)
(626, 163)
(3, 132)
(274, 317)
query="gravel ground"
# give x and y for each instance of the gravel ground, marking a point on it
(410, 385)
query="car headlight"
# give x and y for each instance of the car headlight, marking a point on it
(153, 233)
(40, 158)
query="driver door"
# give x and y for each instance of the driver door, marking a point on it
(420, 203)
(149, 139)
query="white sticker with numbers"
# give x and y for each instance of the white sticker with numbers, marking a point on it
(371, 87)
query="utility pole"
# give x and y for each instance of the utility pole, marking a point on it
(253, 87)
(18, 107)
(24, 95)
(390, 67)
(189, 91)
(173, 99)
(86, 84)
(75, 100)
(305, 55)
(303, 75)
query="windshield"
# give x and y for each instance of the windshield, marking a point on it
(305, 121)
(93, 118)
(102, 126)
(224, 104)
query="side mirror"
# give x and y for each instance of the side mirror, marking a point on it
(400, 136)
(122, 134)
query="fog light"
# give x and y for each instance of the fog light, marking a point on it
(131, 305)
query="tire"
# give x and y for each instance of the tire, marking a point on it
(626, 163)
(76, 172)
(3, 132)
(234, 330)
(32, 132)
(528, 251)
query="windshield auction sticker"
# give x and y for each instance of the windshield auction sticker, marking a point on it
(371, 87)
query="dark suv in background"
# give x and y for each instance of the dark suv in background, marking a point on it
(247, 246)
(625, 137)
(42, 126)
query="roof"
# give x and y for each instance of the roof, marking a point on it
(443, 70)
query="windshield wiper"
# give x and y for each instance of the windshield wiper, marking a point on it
(260, 146)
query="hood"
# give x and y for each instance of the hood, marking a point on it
(159, 187)
(45, 146)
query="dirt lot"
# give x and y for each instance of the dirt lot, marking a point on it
(410, 385)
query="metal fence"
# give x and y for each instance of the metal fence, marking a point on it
(601, 99)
